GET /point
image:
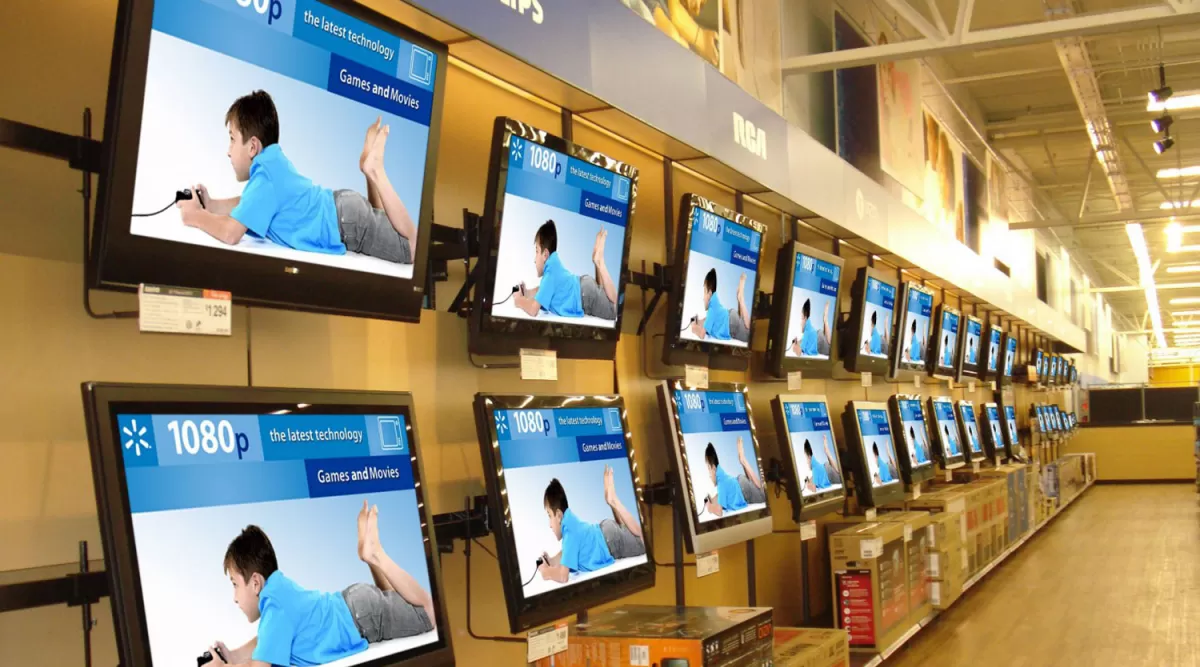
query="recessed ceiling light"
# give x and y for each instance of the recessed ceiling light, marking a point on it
(1181, 172)
(1185, 301)
(1184, 268)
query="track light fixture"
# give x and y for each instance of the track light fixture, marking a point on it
(1163, 92)
(1162, 124)
(1163, 145)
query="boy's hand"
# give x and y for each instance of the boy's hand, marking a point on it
(217, 650)
(200, 194)
(188, 208)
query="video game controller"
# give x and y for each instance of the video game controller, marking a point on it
(187, 194)
(207, 656)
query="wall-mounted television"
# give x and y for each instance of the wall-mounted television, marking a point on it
(993, 432)
(1039, 364)
(714, 457)
(872, 452)
(947, 434)
(309, 502)
(912, 444)
(912, 330)
(804, 314)
(968, 423)
(563, 495)
(1012, 438)
(307, 157)
(553, 246)
(710, 315)
(873, 301)
(971, 352)
(1010, 357)
(817, 485)
(992, 354)
(944, 362)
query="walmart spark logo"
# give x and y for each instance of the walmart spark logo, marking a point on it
(501, 423)
(516, 150)
(135, 437)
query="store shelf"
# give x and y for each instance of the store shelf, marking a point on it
(873, 660)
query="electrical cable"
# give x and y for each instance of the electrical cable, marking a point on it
(535, 572)
(159, 211)
(506, 300)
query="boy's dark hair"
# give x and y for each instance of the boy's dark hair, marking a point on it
(913, 432)
(874, 318)
(914, 326)
(806, 309)
(875, 448)
(710, 455)
(250, 553)
(807, 449)
(547, 236)
(555, 497)
(255, 116)
(710, 281)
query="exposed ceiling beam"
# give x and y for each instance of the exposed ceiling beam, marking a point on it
(1109, 219)
(915, 19)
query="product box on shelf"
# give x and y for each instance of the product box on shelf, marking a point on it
(918, 539)
(636, 635)
(870, 583)
(811, 647)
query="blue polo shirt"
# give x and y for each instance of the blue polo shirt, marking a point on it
(281, 205)
(820, 478)
(914, 351)
(919, 446)
(954, 450)
(808, 340)
(876, 342)
(303, 627)
(558, 293)
(583, 545)
(885, 473)
(729, 492)
(716, 320)
(946, 355)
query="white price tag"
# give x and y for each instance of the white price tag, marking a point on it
(709, 563)
(546, 642)
(949, 476)
(184, 310)
(866, 379)
(639, 656)
(935, 592)
(916, 493)
(971, 386)
(935, 565)
(974, 466)
(907, 533)
(993, 383)
(795, 379)
(872, 548)
(539, 364)
(695, 376)
(870, 514)
(917, 381)
(808, 531)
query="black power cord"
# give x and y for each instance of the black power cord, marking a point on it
(180, 195)
(516, 289)
(159, 211)
(539, 564)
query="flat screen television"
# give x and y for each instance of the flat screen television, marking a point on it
(1010, 357)
(912, 445)
(1074, 374)
(710, 315)
(944, 362)
(873, 301)
(872, 452)
(947, 434)
(306, 142)
(714, 457)
(992, 357)
(811, 454)
(553, 246)
(968, 423)
(912, 330)
(993, 432)
(1039, 412)
(971, 352)
(804, 316)
(1039, 364)
(1060, 421)
(306, 501)
(1012, 438)
(563, 495)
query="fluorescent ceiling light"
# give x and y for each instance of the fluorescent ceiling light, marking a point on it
(1188, 99)
(1183, 172)
(1184, 268)
(1182, 325)
(1185, 301)
(1137, 239)
(1168, 205)
(1184, 313)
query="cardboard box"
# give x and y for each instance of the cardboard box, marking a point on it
(870, 583)
(946, 530)
(918, 539)
(811, 647)
(635, 635)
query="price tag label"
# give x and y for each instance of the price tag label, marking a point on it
(974, 466)
(709, 563)
(795, 379)
(949, 476)
(935, 565)
(870, 514)
(184, 310)
(539, 364)
(917, 381)
(935, 592)
(639, 655)
(971, 386)
(993, 383)
(916, 492)
(808, 531)
(695, 376)
(907, 533)
(546, 642)
(866, 379)
(872, 548)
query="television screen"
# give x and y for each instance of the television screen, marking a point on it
(1010, 355)
(714, 449)
(812, 449)
(712, 301)
(995, 432)
(877, 318)
(1040, 412)
(565, 502)
(992, 355)
(878, 450)
(913, 444)
(1010, 420)
(1039, 363)
(947, 428)
(946, 342)
(308, 503)
(814, 310)
(914, 334)
(970, 428)
(305, 137)
(554, 246)
(972, 346)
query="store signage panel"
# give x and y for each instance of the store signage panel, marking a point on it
(744, 133)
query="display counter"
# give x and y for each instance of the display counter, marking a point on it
(1151, 452)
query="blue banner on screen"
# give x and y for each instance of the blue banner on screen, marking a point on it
(879, 452)
(722, 272)
(993, 358)
(880, 301)
(969, 421)
(813, 449)
(814, 308)
(718, 446)
(912, 421)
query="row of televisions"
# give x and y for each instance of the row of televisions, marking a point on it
(312, 503)
(310, 166)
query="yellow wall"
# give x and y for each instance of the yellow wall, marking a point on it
(1138, 452)
(1174, 376)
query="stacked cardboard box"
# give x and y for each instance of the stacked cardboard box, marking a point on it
(947, 558)
(811, 647)
(917, 538)
(1071, 477)
(870, 583)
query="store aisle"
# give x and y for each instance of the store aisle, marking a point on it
(1113, 581)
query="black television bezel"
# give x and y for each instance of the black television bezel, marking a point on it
(724, 531)
(817, 504)
(524, 614)
(676, 350)
(856, 361)
(490, 335)
(968, 454)
(101, 404)
(985, 358)
(779, 363)
(1012, 436)
(921, 472)
(934, 361)
(947, 462)
(1006, 373)
(899, 369)
(121, 260)
(991, 449)
(865, 494)
(968, 370)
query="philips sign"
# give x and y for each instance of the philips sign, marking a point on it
(521, 6)
(746, 135)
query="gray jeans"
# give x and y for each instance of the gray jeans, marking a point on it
(621, 542)
(750, 492)
(367, 230)
(737, 328)
(595, 301)
(383, 615)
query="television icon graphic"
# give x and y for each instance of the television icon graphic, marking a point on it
(613, 416)
(391, 433)
(420, 65)
(621, 190)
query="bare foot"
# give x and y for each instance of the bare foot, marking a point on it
(742, 285)
(372, 130)
(371, 549)
(610, 489)
(372, 161)
(598, 249)
(362, 530)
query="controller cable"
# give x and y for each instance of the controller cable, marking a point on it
(151, 215)
(180, 195)
(539, 564)
(516, 288)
